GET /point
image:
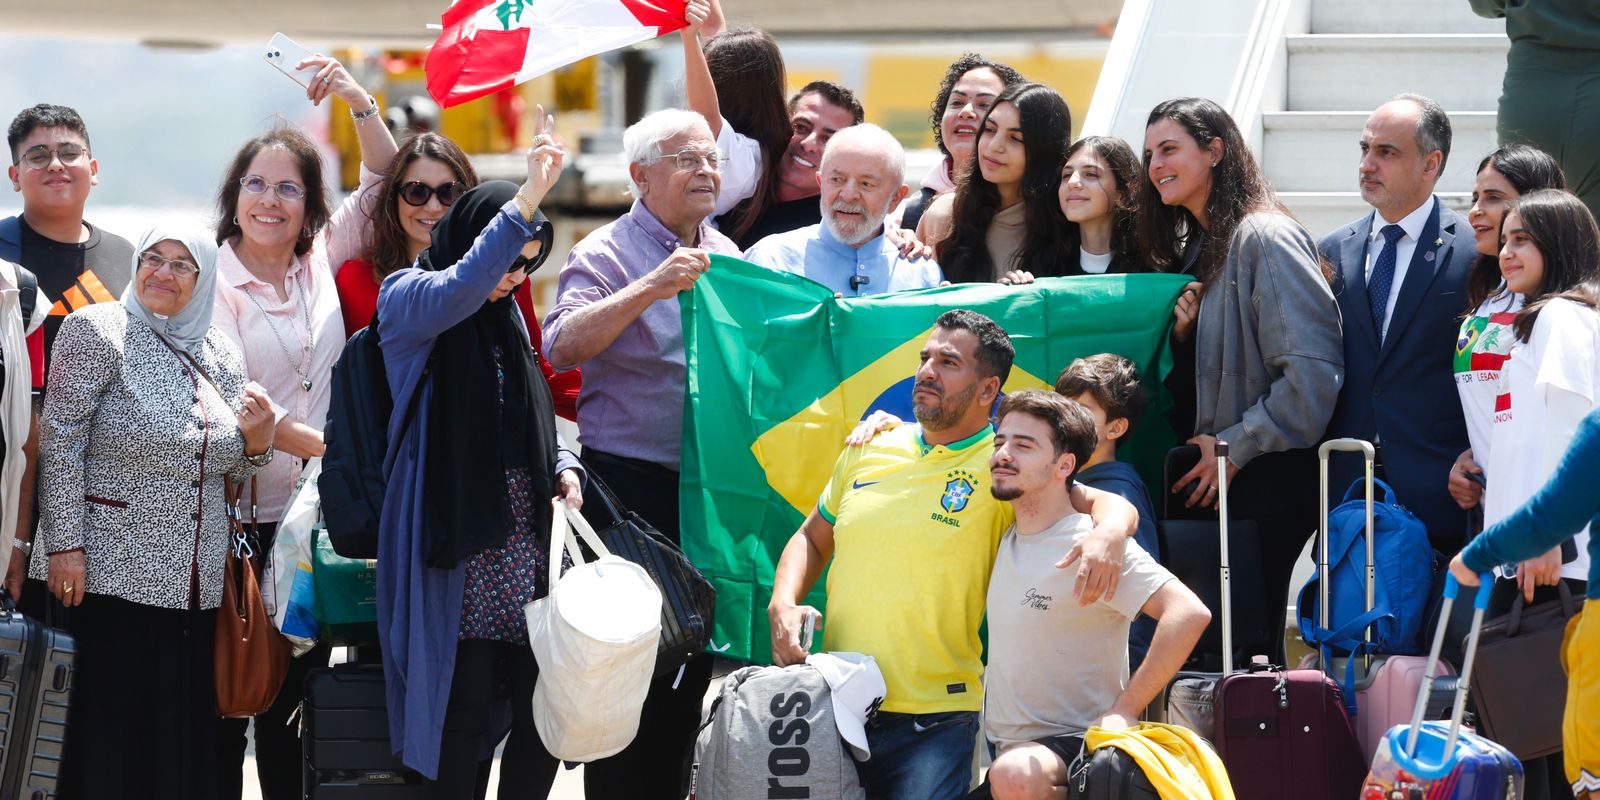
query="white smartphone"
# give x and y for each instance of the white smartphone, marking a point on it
(283, 53)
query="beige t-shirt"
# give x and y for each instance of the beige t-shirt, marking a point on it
(1056, 668)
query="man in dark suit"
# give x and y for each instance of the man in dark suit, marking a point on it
(1401, 276)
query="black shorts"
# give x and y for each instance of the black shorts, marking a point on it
(1066, 748)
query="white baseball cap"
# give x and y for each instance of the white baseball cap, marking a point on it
(857, 688)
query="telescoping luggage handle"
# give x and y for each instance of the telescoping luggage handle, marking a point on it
(1222, 526)
(1369, 455)
(1405, 752)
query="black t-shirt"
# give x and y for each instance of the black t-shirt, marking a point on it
(780, 217)
(61, 268)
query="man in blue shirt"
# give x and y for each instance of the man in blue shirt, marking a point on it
(862, 179)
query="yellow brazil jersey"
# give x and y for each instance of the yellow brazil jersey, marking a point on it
(915, 536)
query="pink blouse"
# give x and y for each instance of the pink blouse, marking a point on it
(291, 342)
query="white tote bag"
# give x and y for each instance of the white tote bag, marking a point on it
(595, 638)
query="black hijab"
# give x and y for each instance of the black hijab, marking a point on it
(486, 390)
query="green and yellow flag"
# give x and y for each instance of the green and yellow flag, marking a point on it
(780, 371)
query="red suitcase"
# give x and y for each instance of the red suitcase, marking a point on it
(1281, 733)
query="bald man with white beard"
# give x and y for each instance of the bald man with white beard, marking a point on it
(862, 179)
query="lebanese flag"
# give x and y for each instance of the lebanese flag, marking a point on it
(490, 45)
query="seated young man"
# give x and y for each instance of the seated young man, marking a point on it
(1057, 668)
(1108, 386)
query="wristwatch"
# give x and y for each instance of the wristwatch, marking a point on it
(260, 459)
(24, 545)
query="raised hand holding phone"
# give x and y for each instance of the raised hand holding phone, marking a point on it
(285, 55)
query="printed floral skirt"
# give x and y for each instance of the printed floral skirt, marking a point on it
(503, 580)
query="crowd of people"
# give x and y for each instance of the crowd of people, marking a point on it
(1465, 347)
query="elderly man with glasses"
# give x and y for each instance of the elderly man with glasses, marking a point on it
(617, 316)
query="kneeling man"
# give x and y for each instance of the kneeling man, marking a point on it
(1055, 667)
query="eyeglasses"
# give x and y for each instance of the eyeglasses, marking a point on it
(286, 190)
(690, 160)
(416, 193)
(70, 155)
(153, 262)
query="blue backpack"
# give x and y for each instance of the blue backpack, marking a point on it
(1403, 586)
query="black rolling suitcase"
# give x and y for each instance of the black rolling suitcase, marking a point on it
(346, 738)
(35, 682)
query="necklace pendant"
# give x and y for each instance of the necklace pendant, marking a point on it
(306, 384)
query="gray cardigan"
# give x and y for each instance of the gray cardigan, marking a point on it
(1269, 350)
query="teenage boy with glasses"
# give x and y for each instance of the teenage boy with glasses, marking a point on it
(76, 265)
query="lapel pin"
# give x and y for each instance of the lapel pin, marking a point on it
(1428, 256)
(1438, 242)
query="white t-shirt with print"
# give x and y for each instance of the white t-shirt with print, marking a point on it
(1482, 348)
(1528, 440)
(1056, 668)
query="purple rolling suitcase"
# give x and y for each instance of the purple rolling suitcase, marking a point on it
(1440, 761)
(1281, 733)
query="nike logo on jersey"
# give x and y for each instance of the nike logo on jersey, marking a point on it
(860, 485)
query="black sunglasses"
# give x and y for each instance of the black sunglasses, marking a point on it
(416, 193)
(524, 264)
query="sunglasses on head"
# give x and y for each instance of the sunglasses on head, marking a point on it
(416, 193)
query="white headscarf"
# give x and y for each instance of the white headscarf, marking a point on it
(185, 330)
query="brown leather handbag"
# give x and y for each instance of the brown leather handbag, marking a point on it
(1518, 683)
(252, 657)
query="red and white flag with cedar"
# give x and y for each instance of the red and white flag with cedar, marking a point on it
(490, 45)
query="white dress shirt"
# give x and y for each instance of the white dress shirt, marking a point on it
(1404, 248)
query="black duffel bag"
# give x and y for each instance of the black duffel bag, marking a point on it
(687, 598)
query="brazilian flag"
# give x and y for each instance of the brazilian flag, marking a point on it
(779, 371)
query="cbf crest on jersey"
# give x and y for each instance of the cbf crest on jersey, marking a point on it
(958, 492)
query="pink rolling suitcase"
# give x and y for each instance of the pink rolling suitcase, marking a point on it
(1384, 685)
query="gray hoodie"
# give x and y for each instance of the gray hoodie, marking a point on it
(1269, 349)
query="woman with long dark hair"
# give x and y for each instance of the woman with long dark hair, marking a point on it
(1486, 339)
(971, 84)
(1269, 354)
(1098, 194)
(736, 80)
(1005, 216)
(464, 538)
(426, 177)
(1550, 260)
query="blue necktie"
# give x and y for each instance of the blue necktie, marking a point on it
(1382, 277)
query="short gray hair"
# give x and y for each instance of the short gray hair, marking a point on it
(872, 137)
(641, 142)
(1433, 126)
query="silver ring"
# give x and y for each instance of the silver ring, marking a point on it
(542, 139)
(1211, 488)
(327, 79)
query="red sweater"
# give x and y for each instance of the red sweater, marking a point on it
(358, 301)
